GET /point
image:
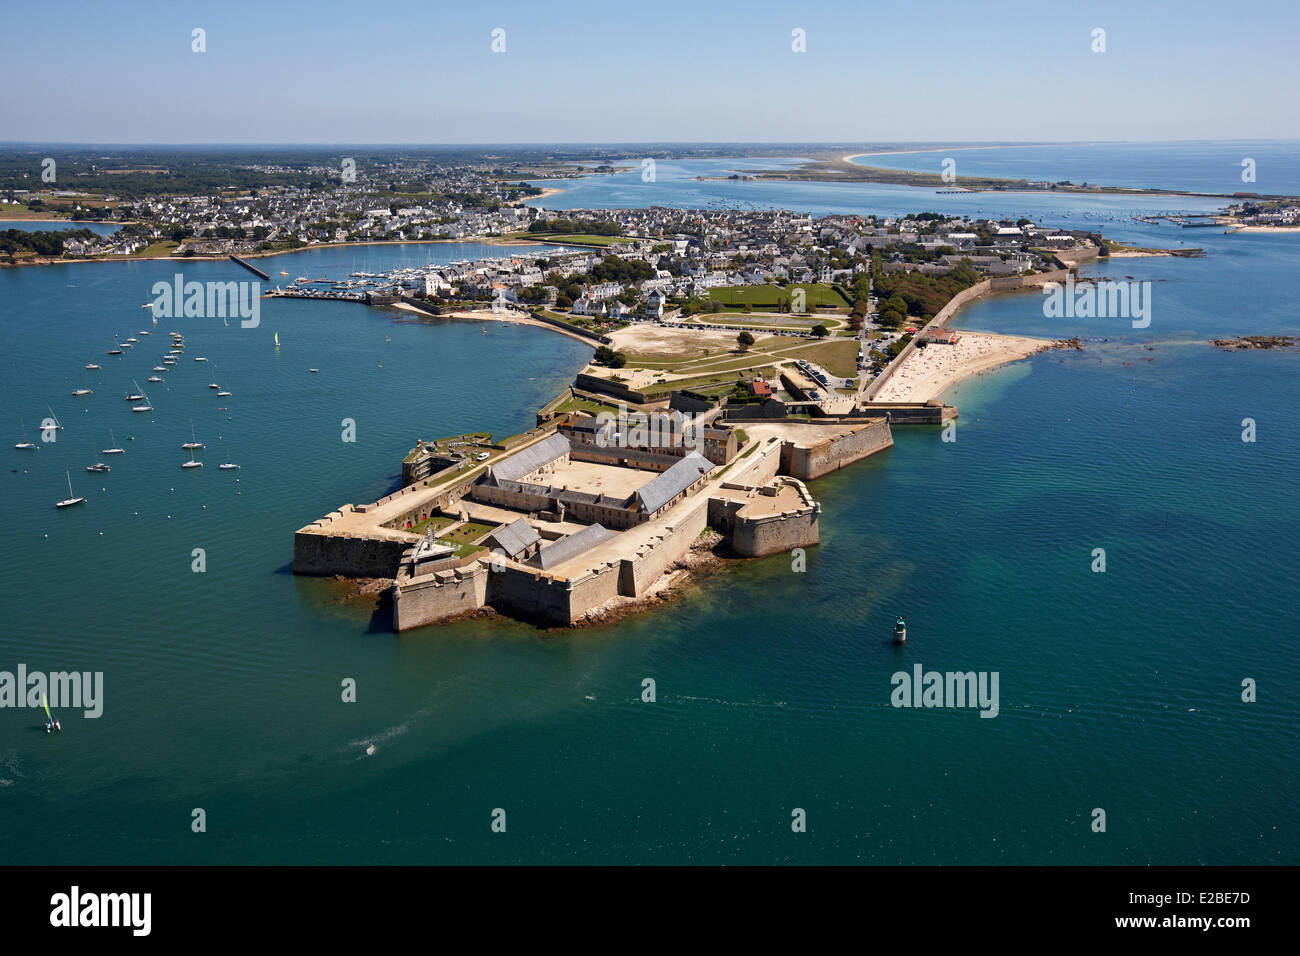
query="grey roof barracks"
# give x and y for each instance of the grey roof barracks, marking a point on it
(530, 459)
(671, 483)
(572, 546)
(515, 538)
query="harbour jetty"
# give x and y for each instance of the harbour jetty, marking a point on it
(250, 267)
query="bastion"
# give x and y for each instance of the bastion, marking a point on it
(572, 518)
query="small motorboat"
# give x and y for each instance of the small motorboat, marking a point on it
(900, 631)
(98, 466)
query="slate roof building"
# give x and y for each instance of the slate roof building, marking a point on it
(671, 486)
(571, 546)
(516, 541)
(532, 462)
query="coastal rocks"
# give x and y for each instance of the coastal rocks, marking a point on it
(1073, 343)
(353, 588)
(1257, 342)
(701, 556)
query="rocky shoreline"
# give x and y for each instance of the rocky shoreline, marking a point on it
(703, 555)
(1256, 342)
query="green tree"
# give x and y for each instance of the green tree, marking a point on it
(744, 340)
(820, 331)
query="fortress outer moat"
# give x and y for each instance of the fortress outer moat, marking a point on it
(584, 515)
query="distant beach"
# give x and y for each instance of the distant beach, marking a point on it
(929, 372)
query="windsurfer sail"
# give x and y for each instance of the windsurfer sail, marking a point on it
(50, 722)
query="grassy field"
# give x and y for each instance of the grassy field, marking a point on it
(768, 296)
(466, 532)
(792, 322)
(721, 378)
(577, 240)
(575, 403)
(156, 249)
(436, 522)
(838, 357)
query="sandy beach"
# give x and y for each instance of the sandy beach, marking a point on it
(929, 372)
(1294, 230)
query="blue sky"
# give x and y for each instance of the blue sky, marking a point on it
(283, 71)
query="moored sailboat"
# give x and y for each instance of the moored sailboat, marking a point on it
(71, 500)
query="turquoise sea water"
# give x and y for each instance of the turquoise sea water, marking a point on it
(1118, 690)
(694, 184)
(1209, 167)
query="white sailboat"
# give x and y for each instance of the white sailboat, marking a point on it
(193, 442)
(191, 463)
(81, 389)
(71, 500)
(25, 445)
(147, 406)
(114, 450)
(58, 425)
